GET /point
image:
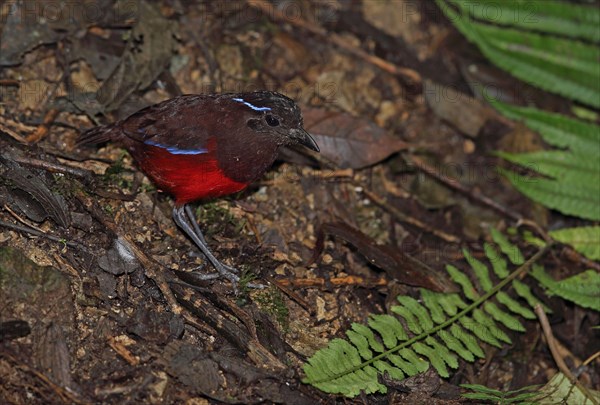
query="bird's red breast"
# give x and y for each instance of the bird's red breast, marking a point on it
(188, 177)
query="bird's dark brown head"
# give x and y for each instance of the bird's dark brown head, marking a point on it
(274, 114)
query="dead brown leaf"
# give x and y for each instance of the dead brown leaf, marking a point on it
(348, 141)
(407, 270)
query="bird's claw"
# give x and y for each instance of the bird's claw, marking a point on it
(185, 219)
(228, 273)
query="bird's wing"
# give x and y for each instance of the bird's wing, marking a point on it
(181, 125)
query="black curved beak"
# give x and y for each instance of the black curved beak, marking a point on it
(299, 135)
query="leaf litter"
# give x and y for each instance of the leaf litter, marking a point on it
(112, 328)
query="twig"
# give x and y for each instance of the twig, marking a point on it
(409, 220)
(123, 351)
(9, 82)
(336, 281)
(283, 286)
(536, 227)
(253, 229)
(37, 232)
(591, 358)
(456, 185)
(44, 128)
(12, 134)
(53, 167)
(203, 308)
(560, 363)
(21, 220)
(269, 10)
(337, 175)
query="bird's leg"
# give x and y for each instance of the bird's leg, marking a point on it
(192, 220)
(183, 217)
(193, 231)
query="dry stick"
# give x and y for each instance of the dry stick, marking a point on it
(562, 366)
(122, 351)
(591, 358)
(41, 132)
(33, 231)
(21, 220)
(12, 134)
(409, 220)
(54, 167)
(270, 11)
(456, 185)
(283, 286)
(336, 281)
(9, 82)
(17, 125)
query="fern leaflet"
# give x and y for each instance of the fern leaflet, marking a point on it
(559, 64)
(437, 330)
(572, 182)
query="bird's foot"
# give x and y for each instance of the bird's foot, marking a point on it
(227, 272)
(196, 254)
(185, 219)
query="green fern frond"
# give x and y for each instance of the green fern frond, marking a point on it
(511, 251)
(518, 37)
(573, 183)
(582, 289)
(560, 56)
(560, 65)
(561, 165)
(566, 197)
(524, 292)
(514, 306)
(434, 331)
(483, 393)
(585, 239)
(556, 129)
(569, 20)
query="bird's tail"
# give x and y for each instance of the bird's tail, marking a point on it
(100, 134)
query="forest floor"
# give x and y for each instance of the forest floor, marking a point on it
(405, 180)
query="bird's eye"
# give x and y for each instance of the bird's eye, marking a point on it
(271, 120)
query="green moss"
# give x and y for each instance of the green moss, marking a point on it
(272, 302)
(108, 209)
(215, 218)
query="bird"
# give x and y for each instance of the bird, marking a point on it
(198, 147)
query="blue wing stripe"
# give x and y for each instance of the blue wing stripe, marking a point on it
(255, 108)
(175, 150)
